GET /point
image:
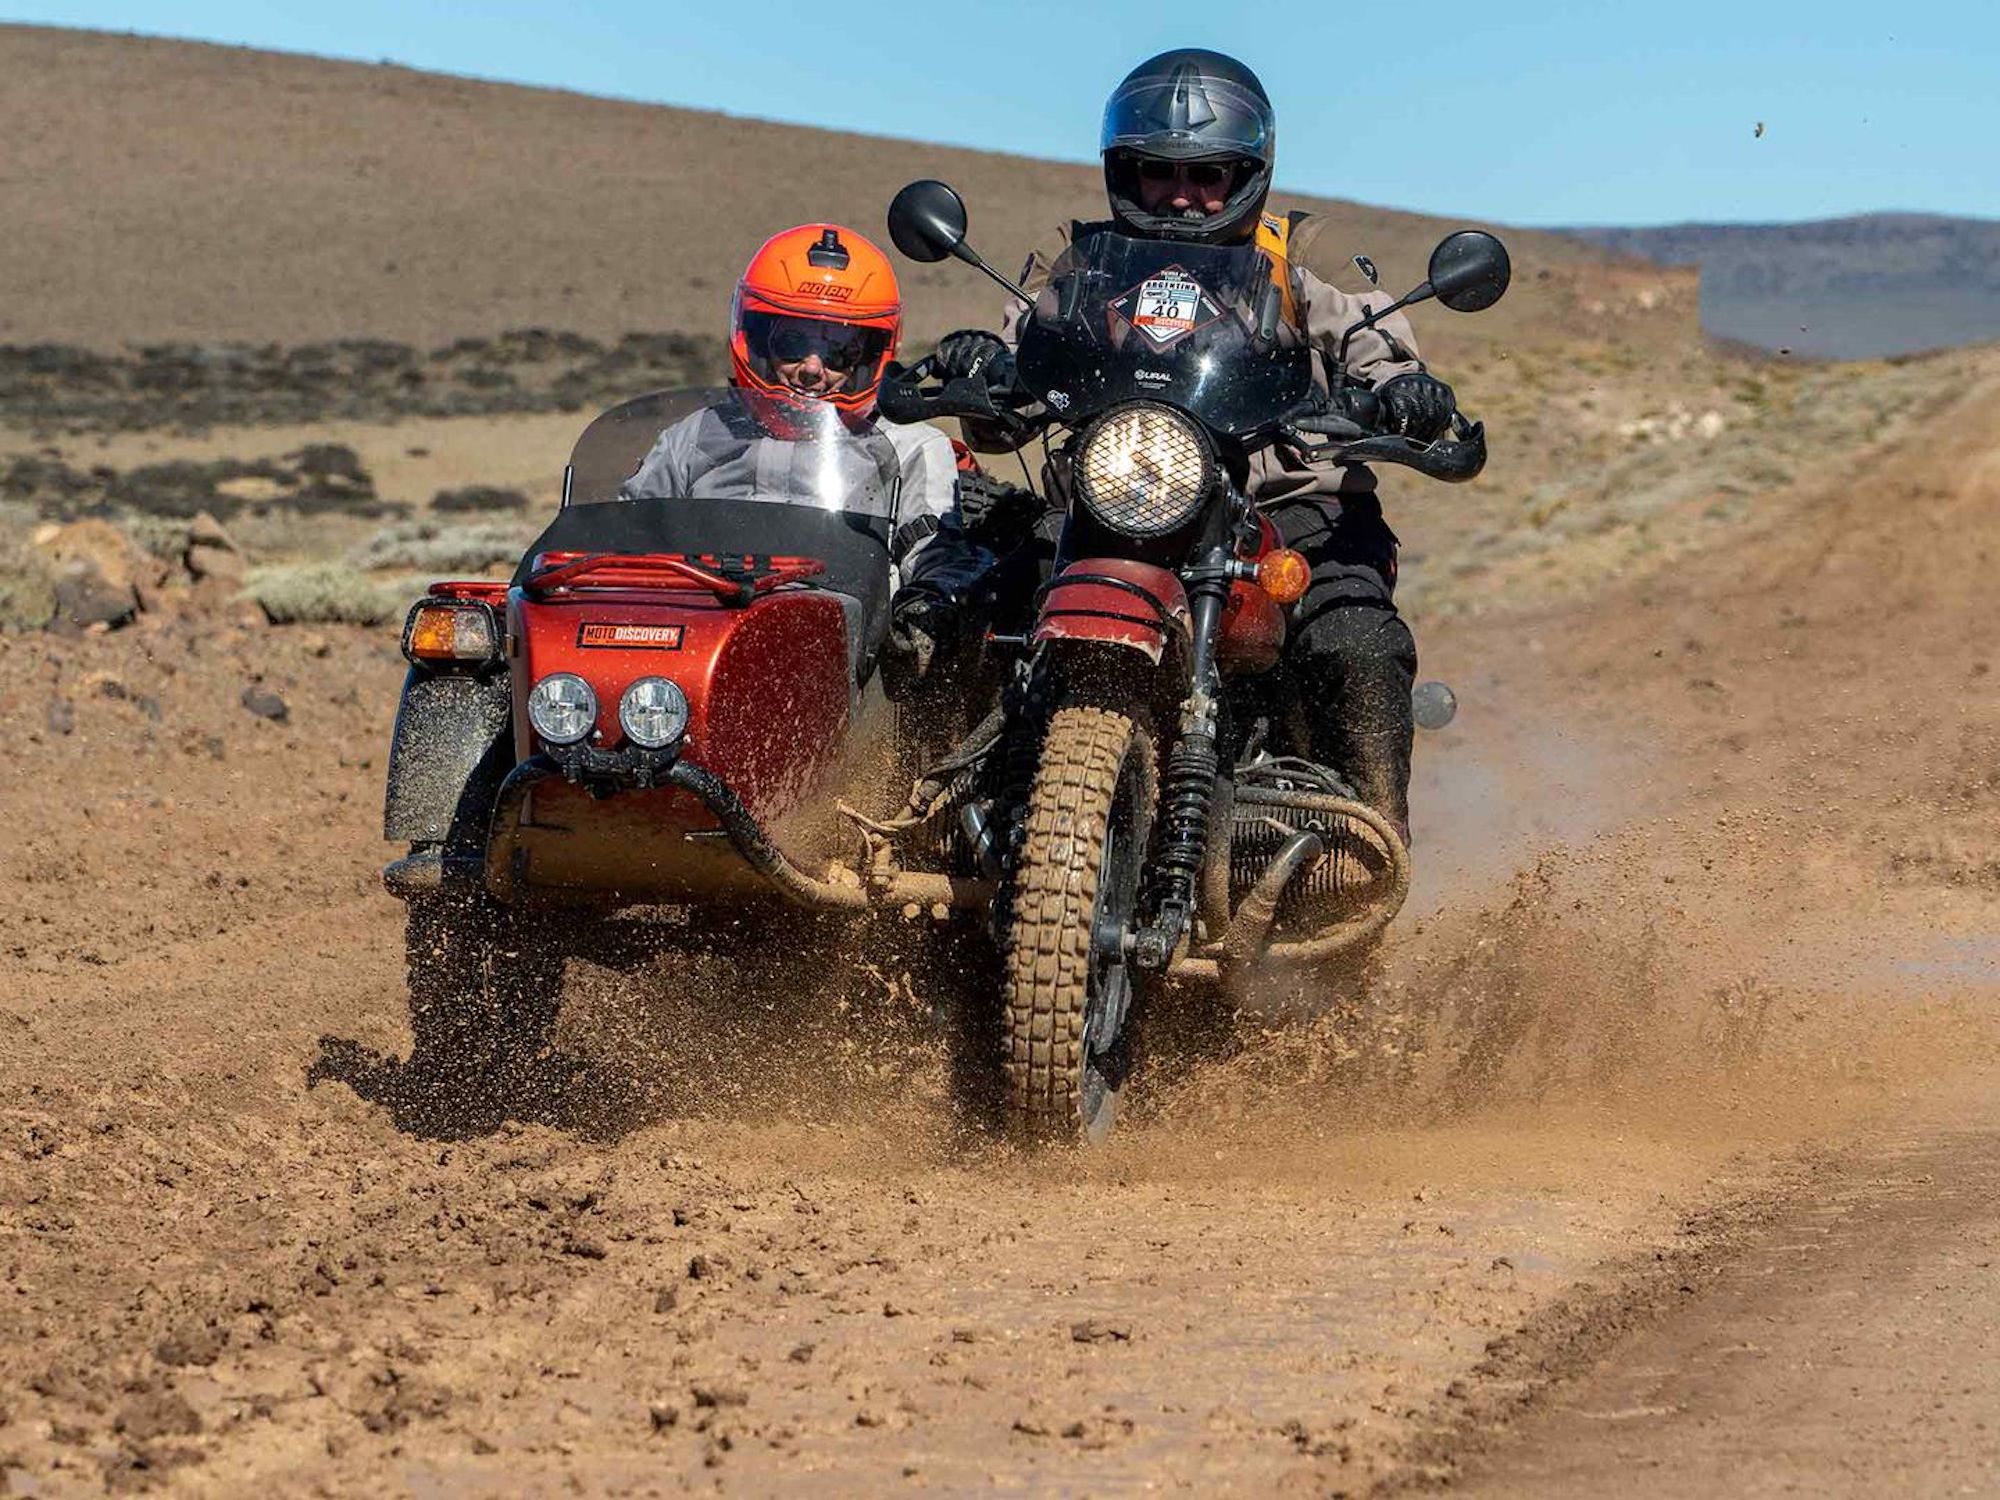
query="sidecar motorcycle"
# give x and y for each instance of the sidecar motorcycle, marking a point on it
(665, 684)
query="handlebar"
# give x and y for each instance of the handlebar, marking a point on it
(1344, 426)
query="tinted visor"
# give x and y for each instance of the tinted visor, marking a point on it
(1186, 115)
(774, 339)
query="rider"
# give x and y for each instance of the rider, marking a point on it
(816, 317)
(1188, 143)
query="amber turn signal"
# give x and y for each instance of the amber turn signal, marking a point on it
(449, 632)
(1284, 575)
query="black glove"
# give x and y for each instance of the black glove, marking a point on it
(1417, 406)
(971, 351)
(923, 626)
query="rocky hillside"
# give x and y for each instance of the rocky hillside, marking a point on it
(246, 197)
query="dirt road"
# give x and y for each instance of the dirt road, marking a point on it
(1709, 889)
(1845, 1345)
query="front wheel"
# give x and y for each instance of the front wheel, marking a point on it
(1069, 982)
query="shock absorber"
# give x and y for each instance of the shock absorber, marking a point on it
(1187, 787)
(1186, 792)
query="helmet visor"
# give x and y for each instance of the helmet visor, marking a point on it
(1186, 115)
(778, 345)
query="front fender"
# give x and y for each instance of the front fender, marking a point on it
(453, 746)
(1110, 601)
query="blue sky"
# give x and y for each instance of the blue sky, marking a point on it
(1580, 114)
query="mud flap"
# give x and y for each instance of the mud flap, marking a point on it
(453, 746)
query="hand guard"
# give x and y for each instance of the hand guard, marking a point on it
(1418, 406)
(972, 351)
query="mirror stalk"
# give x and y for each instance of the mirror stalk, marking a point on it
(965, 252)
(1422, 292)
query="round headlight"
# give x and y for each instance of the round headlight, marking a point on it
(654, 712)
(562, 708)
(1143, 470)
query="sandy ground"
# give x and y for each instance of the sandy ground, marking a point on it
(1707, 897)
(1845, 1347)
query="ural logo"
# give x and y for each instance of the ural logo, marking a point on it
(598, 633)
(1158, 376)
(826, 291)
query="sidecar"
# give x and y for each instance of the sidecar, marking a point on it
(628, 720)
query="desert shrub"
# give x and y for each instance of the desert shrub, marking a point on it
(331, 461)
(329, 594)
(27, 591)
(164, 537)
(479, 497)
(431, 546)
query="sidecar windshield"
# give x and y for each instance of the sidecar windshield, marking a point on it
(711, 445)
(1202, 327)
(694, 471)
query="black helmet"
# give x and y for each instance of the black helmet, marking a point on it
(1189, 105)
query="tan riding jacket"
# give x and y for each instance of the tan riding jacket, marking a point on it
(1323, 312)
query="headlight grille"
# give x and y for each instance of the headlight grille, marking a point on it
(1143, 470)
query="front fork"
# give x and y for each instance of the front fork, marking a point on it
(1187, 786)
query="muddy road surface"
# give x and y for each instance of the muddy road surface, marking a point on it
(1597, 1178)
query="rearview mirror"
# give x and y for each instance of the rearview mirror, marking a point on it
(1469, 270)
(927, 221)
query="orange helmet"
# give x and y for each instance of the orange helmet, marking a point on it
(816, 291)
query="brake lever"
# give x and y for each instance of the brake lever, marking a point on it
(1345, 414)
(1327, 424)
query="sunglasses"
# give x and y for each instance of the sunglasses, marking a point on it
(790, 341)
(1194, 173)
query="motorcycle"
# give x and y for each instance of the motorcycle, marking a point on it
(1136, 822)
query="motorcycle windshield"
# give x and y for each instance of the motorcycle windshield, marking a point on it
(1201, 327)
(694, 471)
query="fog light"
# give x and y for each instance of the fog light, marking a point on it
(653, 712)
(562, 708)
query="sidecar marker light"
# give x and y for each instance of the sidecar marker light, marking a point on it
(449, 632)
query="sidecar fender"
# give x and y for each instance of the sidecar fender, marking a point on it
(1109, 601)
(453, 746)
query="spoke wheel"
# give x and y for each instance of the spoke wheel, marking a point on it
(1069, 984)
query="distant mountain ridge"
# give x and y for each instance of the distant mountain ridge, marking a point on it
(1869, 285)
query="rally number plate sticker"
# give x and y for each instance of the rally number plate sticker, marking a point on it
(1166, 306)
(630, 637)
